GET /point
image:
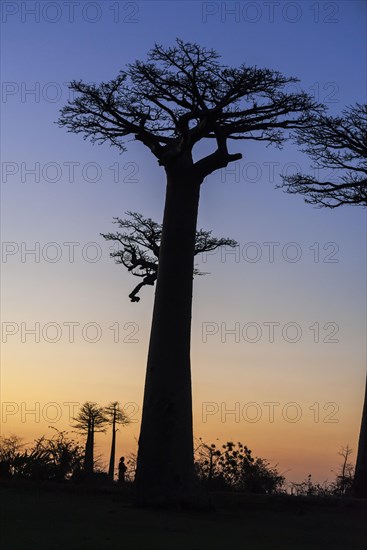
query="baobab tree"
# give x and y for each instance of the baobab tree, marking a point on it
(115, 416)
(180, 96)
(138, 247)
(360, 472)
(90, 419)
(338, 144)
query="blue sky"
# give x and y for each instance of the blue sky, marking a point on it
(321, 43)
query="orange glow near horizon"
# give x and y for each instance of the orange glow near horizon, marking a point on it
(292, 425)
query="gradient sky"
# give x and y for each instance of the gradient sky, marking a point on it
(321, 43)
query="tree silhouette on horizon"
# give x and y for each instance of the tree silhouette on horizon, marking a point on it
(115, 416)
(90, 420)
(180, 96)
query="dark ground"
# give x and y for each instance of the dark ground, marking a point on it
(48, 518)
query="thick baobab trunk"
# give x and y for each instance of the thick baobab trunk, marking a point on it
(89, 458)
(111, 468)
(165, 466)
(360, 477)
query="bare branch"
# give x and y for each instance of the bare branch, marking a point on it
(181, 95)
(338, 144)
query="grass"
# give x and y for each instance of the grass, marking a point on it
(44, 518)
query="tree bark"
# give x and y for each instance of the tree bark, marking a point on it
(165, 465)
(88, 459)
(360, 476)
(111, 469)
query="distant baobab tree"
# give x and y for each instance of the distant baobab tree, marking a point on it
(115, 416)
(139, 243)
(90, 420)
(338, 143)
(180, 96)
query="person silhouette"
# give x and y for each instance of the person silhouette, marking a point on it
(122, 470)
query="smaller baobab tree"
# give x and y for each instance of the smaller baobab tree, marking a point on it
(90, 419)
(115, 416)
(138, 245)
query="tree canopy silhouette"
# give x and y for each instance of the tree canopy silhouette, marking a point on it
(337, 143)
(90, 419)
(180, 96)
(139, 244)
